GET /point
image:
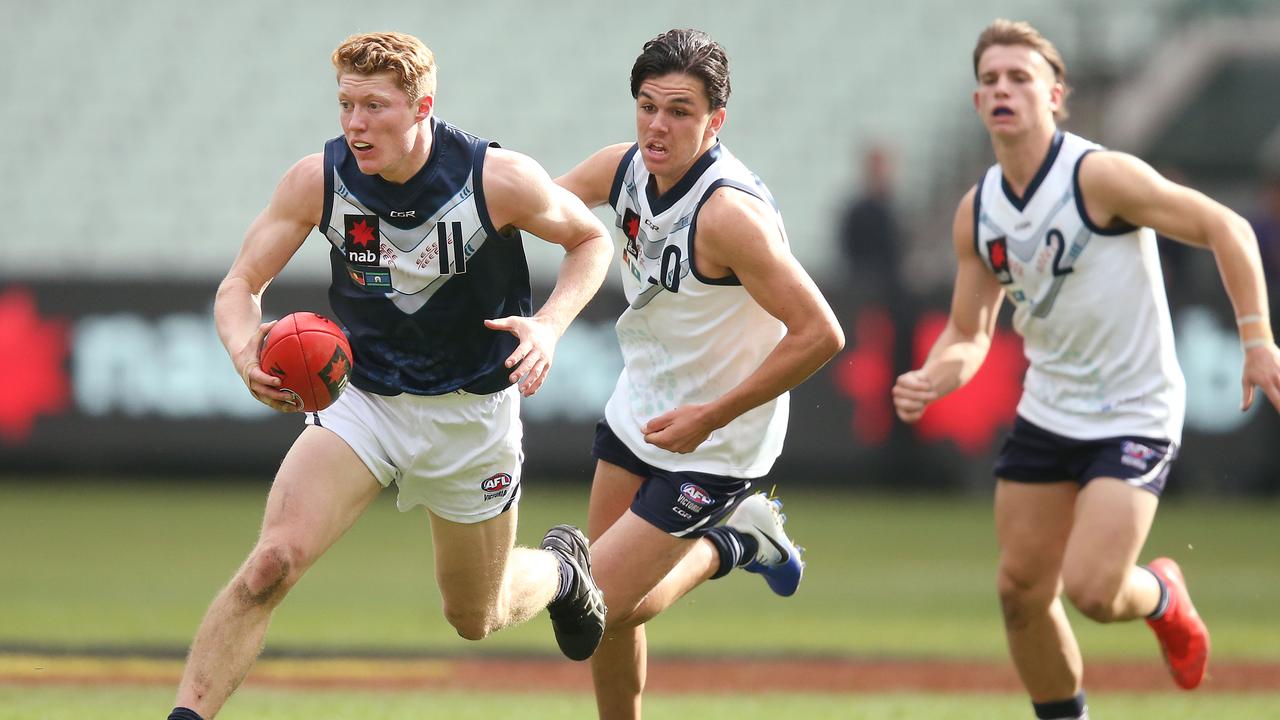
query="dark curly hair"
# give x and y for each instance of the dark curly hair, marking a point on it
(692, 52)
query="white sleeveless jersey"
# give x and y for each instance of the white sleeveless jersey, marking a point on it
(684, 338)
(1089, 303)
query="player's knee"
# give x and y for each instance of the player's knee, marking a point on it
(1094, 601)
(471, 624)
(622, 620)
(1021, 598)
(271, 570)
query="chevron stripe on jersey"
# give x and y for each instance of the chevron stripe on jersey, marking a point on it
(685, 338)
(1089, 303)
(417, 268)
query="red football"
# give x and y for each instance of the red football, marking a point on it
(310, 355)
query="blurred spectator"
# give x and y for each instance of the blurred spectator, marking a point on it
(870, 234)
(879, 320)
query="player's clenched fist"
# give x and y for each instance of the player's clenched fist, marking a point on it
(911, 393)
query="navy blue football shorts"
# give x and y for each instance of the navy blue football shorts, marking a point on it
(1034, 455)
(683, 504)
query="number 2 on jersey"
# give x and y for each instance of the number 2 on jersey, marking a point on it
(1059, 249)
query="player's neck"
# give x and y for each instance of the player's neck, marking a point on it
(1020, 158)
(663, 183)
(410, 164)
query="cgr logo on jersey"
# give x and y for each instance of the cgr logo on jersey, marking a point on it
(998, 252)
(361, 239)
(496, 486)
(693, 498)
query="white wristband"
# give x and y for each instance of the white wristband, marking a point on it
(1248, 320)
(1256, 343)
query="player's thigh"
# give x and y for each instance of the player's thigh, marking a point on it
(1033, 524)
(1112, 521)
(630, 558)
(471, 558)
(612, 491)
(322, 487)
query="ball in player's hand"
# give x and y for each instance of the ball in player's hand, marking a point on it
(311, 356)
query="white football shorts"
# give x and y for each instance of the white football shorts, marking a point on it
(458, 454)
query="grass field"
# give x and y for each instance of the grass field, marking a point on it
(132, 703)
(107, 565)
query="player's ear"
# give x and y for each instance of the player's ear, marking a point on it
(718, 117)
(424, 106)
(1057, 92)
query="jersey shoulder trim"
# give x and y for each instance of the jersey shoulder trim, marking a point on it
(478, 154)
(977, 213)
(730, 279)
(1123, 228)
(615, 190)
(330, 162)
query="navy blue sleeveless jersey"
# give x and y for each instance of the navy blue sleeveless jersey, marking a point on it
(419, 267)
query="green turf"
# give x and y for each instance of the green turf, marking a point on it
(106, 563)
(69, 703)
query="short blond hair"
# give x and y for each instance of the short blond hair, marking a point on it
(405, 55)
(1009, 32)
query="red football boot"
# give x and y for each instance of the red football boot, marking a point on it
(1183, 637)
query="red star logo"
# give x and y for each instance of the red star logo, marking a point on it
(32, 353)
(998, 259)
(361, 233)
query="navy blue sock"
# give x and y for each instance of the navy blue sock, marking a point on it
(181, 713)
(566, 580)
(1070, 709)
(735, 548)
(1163, 604)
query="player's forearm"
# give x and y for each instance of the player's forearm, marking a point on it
(1236, 251)
(954, 359)
(581, 273)
(237, 313)
(798, 355)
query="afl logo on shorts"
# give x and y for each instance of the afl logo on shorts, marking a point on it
(1137, 455)
(496, 486)
(696, 494)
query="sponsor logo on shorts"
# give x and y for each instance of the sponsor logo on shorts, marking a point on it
(496, 486)
(693, 497)
(1137, 456)
(682, 513)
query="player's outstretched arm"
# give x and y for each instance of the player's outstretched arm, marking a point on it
(959, 351)
(1120, 187)
(592, 179)
(738, 234)
(272, 239)
(520, 194)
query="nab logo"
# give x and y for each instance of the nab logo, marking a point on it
(998, 253)
(631, 228)
(361, 239)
